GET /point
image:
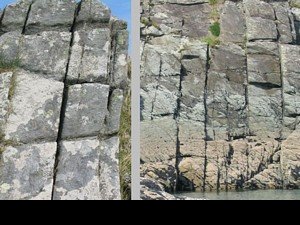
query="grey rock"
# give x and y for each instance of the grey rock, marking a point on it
(290, 161)
(158, 139)
(10, 46)
(86, 110)
(26, 172)
(257, 8)
(284, 24)
(88, 170)
(46, 54)
(93, 12)
(233, 24)
(89, 56)
(263, 63)
(55, 15)
(34, 112)
(119, 63)
(114, 107)
(15, 16)
(265, 111)
(5, 80)
(261, 29)
(291, 89)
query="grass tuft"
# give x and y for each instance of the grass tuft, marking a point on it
(8, 65)
(211, 40)
(215, 29)
(125, 148)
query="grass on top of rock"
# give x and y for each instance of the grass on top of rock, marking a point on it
(125, 149)
(211, 40)
(8, 65)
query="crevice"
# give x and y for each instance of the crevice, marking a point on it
(64, 102)
(176, 118)
(281, 135)
(265, 86)
(156, 89)
(27, 17)
(1, 19)
(206, 115)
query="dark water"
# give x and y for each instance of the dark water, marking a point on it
(247, 195)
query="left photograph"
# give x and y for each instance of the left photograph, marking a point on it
(65, 100)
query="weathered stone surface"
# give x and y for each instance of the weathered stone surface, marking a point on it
(284, 26)
(265, 111)
(88, 170)
(89, 56)
(164, 173)
(93, 11)
(235, 102)
(54, 15)
(10, 46)
(34, 112)
(63, 76)
(158, 139)
(114, 107)
(226, 101)
(261, 29)
(257, 8)
(233, 23)
(46, 54)
(5, 80)
(290, 65)
(26, 172)
(263, 63)
(15, 16)
(86, 110)
(290, 161)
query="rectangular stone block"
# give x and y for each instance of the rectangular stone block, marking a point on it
(261, 29)
(15, 16)
(34, 108)
(46, 54)
(26, 172)
(5, 81)
(86, 110)
(90, 56)
(54, 15)
(158, 139)
(88, 170)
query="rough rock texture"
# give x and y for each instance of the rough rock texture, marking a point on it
(63, 73)
(220, 116)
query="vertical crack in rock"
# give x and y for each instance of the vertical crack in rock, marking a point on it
(27, 17)
(156, 89)
(177, 117)
(206, 114)
(2, 16)
(64, 101)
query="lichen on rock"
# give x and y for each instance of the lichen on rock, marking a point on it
(222, 116)
(61, 95)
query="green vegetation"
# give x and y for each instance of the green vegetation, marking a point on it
(8, 65)
(125, 149)
(125, 145)
(213, 2)
(215, 29)
(295, 4)
(149, 23)
(211, 40)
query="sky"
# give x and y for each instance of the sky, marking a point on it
(119, 8)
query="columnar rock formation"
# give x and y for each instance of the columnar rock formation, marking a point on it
(61, 92)
(221, 111)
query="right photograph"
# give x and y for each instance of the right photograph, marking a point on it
(220, 100)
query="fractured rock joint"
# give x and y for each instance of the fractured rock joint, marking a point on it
(61, 100)
(238, 115)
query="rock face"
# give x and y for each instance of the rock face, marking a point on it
(63, 73)
(220, 115)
